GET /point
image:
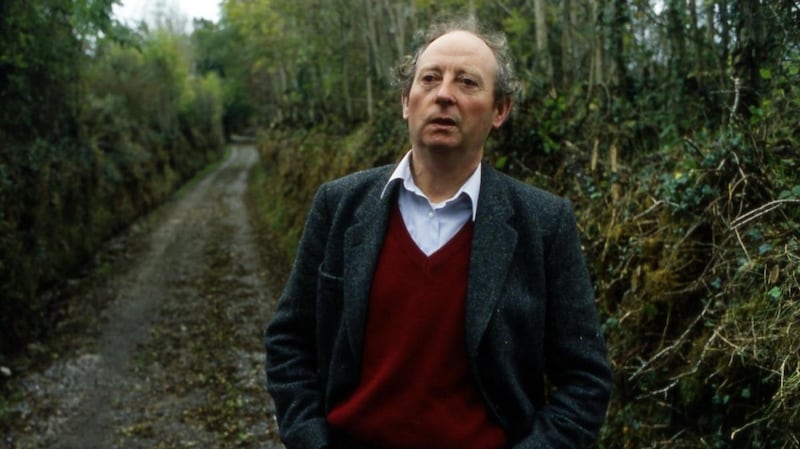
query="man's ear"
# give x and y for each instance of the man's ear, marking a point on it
(502, 111)
(404, 101)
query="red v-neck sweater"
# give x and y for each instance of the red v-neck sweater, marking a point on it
(415, 390)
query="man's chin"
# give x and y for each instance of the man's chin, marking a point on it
(442, 145)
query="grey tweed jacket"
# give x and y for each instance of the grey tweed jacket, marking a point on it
(532, 333)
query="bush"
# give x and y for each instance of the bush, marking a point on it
(92, 139)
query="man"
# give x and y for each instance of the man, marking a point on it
(439, 303)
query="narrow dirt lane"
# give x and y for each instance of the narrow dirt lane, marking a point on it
(173, 357)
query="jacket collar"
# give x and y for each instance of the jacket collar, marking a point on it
(402, 175)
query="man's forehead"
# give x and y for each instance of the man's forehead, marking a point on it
(458, 38)
(460, 44)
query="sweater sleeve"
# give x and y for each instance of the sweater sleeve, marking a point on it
(291, 357)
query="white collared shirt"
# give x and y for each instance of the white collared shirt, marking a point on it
(432, 225)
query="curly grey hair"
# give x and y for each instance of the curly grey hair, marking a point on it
(506, 86)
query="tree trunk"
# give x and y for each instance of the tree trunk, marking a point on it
(597, 69)
(370, 107)
(697, 38)
(371, 47)
(710, 39)
(542, 47)
(618, 28)
(725, 32)
(677, 40)
(753, 46)
(397, 27)
(567, 43)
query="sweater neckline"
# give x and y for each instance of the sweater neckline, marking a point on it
(457, 243)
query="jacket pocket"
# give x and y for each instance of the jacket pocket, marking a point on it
(330, 299)
(329, 290)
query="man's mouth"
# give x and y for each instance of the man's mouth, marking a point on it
(443, 121)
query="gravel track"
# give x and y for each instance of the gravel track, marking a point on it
(165, 337)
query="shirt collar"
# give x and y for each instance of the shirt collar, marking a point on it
(402, 173)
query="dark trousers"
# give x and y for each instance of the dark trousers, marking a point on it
(342, 440)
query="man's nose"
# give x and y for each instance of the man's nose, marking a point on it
(446, 92)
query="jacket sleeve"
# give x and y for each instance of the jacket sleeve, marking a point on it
(290, 341)
(576, 363)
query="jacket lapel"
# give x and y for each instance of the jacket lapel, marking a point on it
(493, 245)
(362, 245)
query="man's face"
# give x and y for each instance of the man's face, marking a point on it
(451, 102)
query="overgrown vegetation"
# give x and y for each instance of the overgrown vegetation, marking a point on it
(679, 146)
(98, 124)
(696, 266)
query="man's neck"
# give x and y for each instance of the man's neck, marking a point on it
(441, 175)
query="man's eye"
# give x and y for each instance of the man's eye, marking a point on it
(469, 82)
(429, 78)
